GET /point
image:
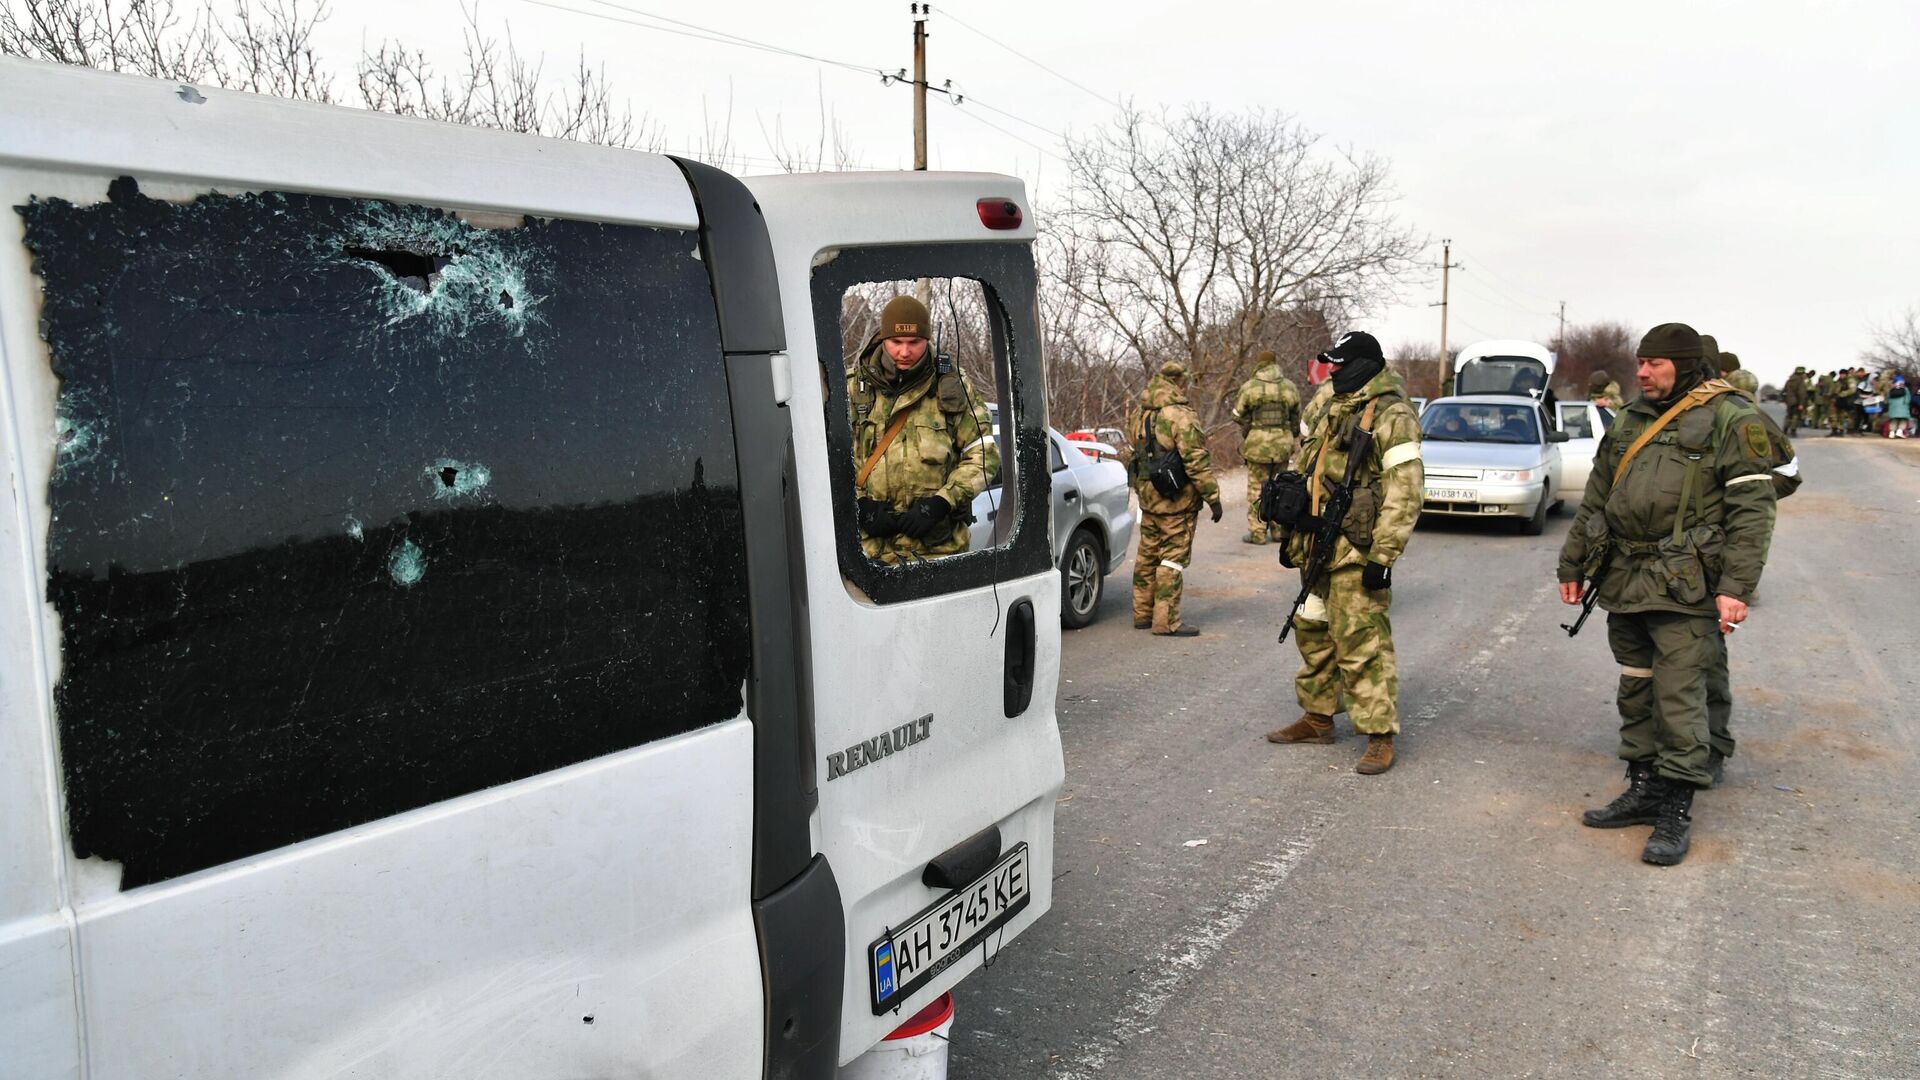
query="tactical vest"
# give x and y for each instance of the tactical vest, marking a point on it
(1273, 414)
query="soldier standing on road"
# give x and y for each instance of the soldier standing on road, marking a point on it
(1165, 421)
(1602, 390)
(1268, 412)
(921, 442)
(1344, 635)
(1795, 395)
(1680, 511)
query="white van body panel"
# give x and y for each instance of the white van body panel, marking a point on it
(588, 940)
(880, 826)
(617, 888)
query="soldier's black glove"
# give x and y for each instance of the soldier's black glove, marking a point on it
(1286, 560)
(925, 516)
(1215, 507)
(1376, 577)
(877, 518)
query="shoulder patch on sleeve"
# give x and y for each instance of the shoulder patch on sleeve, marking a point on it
(1755, 434)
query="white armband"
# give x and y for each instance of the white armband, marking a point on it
(1400, 455)
(1750, 477)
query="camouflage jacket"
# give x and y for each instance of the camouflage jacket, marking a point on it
(1174, 425)
(1268, 412)
(1390, 483)
(1744, 381)
(945, 449)
(1610, 397)
(1660, 562)
(1795, 392)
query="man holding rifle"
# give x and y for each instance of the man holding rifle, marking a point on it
(1357, 483)
(1673, 533)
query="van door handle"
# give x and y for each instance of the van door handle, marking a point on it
(1020, 643)
(1070, 494)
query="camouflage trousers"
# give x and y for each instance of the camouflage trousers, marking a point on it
(1160, 566)
(1257, 473)
(1665, 659)
(1346, 648)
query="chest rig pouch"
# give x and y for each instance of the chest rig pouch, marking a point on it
(1283, 499)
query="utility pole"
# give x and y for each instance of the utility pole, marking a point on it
(920, 13)
(1446, 264)
(1563, 326)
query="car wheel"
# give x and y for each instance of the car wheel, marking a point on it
(1537, 524)
(1082, 577)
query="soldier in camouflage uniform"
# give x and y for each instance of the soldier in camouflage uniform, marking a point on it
(1268, 412)
(920, 442)
(1602, 390)
(1165, 421)
(1344, 635)
(1740, 378)
(1683, 531)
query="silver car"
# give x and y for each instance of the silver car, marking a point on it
(1491, 455)
(1093, 521)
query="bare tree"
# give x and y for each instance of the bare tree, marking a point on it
(498, 87)
(1607, 345)
(143, 37)
(1896, 345)
(1206, 236)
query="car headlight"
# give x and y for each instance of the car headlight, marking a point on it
(1509, 474)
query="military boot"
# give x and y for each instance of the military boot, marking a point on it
(1669, 842)
(1638, 805)
(1253, 538)
(1378, 758)
(1310, 728)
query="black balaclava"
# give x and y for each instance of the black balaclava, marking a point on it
(1681, 344)
(1356, 359)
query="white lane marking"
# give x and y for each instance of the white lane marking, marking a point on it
(1186, 954)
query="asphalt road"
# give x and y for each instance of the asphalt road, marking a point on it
(1452, 917)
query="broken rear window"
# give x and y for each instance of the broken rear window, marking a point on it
(359, 506)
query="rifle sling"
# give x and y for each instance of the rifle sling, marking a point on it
(886, 440)
(1695, 397)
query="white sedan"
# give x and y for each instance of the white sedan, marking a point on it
(1093, 521)
(1584, 422)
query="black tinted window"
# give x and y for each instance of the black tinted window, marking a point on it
(360, 506)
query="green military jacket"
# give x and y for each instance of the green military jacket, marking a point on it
(1744, 381)
(1390, 483)
(1268, 412)
(1657, 560)
(1164, 404)
(1795, 392)
(945, 449)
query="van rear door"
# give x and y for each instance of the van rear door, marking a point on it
(932, 683)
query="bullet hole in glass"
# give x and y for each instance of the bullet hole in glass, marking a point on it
(588, 1019)
(449, 475)
(506, 299)
(413, 269)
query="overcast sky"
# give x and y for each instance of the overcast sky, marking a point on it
(1751, 168)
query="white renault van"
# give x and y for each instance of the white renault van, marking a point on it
(434, 639)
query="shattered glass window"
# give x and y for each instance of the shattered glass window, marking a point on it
(360, 506)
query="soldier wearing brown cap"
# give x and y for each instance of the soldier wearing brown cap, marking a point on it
(1677, 563)
(921, 441)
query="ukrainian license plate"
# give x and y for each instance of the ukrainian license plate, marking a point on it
(1447, 494)
(906, 957)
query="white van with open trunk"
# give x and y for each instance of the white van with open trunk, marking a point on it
(435, 639)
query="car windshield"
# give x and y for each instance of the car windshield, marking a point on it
(1461, 421)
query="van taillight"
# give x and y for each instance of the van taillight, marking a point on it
(999, 213)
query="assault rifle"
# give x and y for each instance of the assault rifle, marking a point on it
(1589, 596)
(1323, 529)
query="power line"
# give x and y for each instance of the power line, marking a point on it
(1483, 268)
(978, 119)
(969, 99)
(1096, 95)
(703, 33)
